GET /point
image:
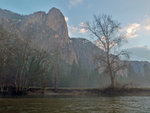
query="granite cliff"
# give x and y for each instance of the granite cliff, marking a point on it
(49, 31)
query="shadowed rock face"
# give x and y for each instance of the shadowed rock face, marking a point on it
(47, 31)
(86, 52)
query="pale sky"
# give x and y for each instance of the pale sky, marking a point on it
(134, 15)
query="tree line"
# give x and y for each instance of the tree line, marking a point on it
(23, 66)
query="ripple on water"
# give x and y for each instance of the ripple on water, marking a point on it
(124, 104)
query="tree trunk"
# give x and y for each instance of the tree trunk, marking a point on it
(112, 82)
(111, 78)
(112, 85)
(56, 83)
(111, 75)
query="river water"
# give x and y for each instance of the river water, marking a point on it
(124, 104)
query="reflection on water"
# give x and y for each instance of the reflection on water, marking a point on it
(128, 104)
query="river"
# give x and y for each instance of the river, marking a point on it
(122, 104)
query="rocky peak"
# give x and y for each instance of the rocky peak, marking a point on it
(47, 31)
(6, 14)
(37, 18)
(39, 14)
(56, 21)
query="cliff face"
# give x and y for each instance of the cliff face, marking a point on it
(139, 68)
(137, 73)
(47, 31)
(85, 52)
(55, 20)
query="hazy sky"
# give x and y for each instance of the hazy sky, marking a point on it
(134, 15)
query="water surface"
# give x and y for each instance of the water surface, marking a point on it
(125, 104)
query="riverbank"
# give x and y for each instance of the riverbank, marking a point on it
(90, 92)
(80, 92)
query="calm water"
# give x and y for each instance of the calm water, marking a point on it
(128, 104)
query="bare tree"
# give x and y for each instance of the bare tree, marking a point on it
(31, 64)
(109, 39)
(6, 54)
